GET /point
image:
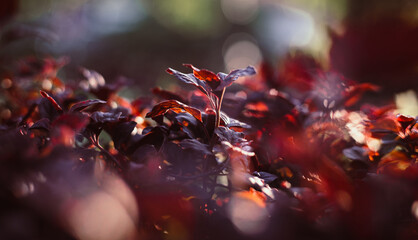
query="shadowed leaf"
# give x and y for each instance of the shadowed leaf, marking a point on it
(84, 104)
(234, 75)
(167, 95)
(193, 144)
(43, 124)
(189, 79)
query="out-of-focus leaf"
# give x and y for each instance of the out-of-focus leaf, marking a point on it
(94, 79)
(354, 93)
(375, 113)
(79, 106)
(43, 124)
(255, 196)
(285, 172)
(397, 163)
(47, 110)
(22, 31)
(267, 177)
(156, 137)
(356, 153)
(52, 100)
(381, 127)
(96, 84)
(296, 72)
(102, 117)
(404, 121)
(121, 133)
(75, 121)
(167, 95)
(256, 109)
(163, 107)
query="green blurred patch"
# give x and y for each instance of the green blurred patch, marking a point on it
(189, 17)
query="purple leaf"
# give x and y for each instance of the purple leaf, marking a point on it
(79, 106)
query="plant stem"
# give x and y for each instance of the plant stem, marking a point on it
(218, 109)
(205, 131)
(95, 141)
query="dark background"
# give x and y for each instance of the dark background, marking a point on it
(374, 41)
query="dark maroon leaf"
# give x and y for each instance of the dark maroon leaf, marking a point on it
(195, 145)
(186, 123)
(356, 153)
(144, 153)
(75, 121)
(121, 133)
(43, 124)
(103, 117)
(155, 137)
(167, 95)
(47, 110)
(79, 106)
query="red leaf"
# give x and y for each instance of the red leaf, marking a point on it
(354, 93)
(54, 103)
(175, 106)
(405, 121)
(397, 163)
(205, 75)
(208, 81)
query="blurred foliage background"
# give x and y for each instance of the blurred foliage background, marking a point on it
(373, 40)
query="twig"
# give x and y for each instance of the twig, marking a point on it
(104, 151)
(218, 109)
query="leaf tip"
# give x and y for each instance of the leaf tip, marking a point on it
(170, 71)
(43, 93)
